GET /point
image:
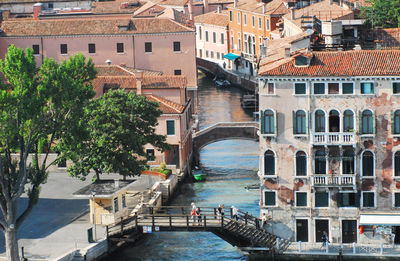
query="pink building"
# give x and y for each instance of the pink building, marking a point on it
(158, 44)
(212, 38)
(170, 92)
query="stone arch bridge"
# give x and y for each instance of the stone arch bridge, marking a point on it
(223, 131)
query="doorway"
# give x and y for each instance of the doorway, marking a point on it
(397, 235)
(349, 231)
(321, 225)
(334, 121)
(302, 230)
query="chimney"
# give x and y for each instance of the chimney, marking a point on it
(190, 9)
(219, 9)
(235, 3)
(37, 9)
(139, 86)
(205, 2)
(108, 62)
(292, 14)
(287, 52)
(264, 10)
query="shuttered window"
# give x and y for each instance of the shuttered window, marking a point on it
(301, 199)
(301, 163)
(170, 127)
(269, 198)
(321, 199)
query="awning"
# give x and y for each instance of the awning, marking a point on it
(231, 56)
(379, 219)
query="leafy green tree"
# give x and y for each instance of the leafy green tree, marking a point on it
(38, 106)
(382, 13)
(118, 126)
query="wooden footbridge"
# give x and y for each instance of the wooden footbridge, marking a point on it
(243, 231)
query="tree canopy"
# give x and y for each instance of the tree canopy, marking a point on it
(118, 125)
(382, 13)
(38, 106)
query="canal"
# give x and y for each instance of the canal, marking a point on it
(230, 165)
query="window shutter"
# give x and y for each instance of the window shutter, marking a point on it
(307, 117)
(339, 199)
(392, 121)
(294, 121)
(360, 130)
(275, 123)
(374, 123)
(262, 122)
(357, 199)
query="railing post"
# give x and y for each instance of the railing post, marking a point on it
(122, 227)
(187, 222)
(245, 217)
(136, 222)
(151, 210)
(205, 221)
(152, 221)
(215, 213)
(354, 247)
(107, 231)
(222, 221)
(299, 246)
(231, 212)
(170, 222)
(257, 223)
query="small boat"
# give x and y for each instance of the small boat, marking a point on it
(199, 175)
(221, 81)
(254, 186)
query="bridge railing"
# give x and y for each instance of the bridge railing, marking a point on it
(226, 125)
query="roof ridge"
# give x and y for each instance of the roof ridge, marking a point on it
(160, 99)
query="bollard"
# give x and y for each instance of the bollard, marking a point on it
(300, 246)
(354, 247)
(381, 249)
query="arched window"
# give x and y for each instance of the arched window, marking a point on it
(334, 121)
(320, 162)
(348, 162)
(319, 121)
(269, 125)
(300, 122)
(368, 164)
(397, 163)
(396, 122)
(367, 122)
(269, 163)
(301, 163)
(348, 121)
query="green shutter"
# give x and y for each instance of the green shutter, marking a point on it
(294, 121)
(339, 200)
(307, 117)
(275, 123)
(392, 121)
(360, 130)
(374, 123)
(262, 122)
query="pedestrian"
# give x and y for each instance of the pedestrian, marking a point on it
(198, 216)
(224, 64)
(222, 209)
(263, 220)
(234, 213)
(193, 214)
(193, 205)
(219, 210)
(325, 239)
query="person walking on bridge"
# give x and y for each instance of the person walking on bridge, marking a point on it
(198, 214)
(194, 215)
(234, 213)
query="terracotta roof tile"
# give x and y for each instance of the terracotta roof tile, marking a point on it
(113, 7)
(166, 106)
(117, 70)
(349, 63)
(98, 26)
(275, 7)
(213, 18)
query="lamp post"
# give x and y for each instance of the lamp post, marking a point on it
(94, 215)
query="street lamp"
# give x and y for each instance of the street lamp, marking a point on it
(94, 215)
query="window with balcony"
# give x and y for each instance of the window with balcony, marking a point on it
(367, 88)
(367, 164)
(301, 199)
(299, 122)
(334, 121)
(348, 162)
(368, 199)
(397, 164)
(396, 87)
(321, 199)
(301, 163)
(300, 88)
(269, 163)
(348, 121)
(319, 88)
(268, 122)
(270, 198)
(319, 121)
(320, 162)
(348, 200)
(367, 122)
(396, 200)
(396, 122)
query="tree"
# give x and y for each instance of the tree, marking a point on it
(38, 106)
(382, 13)
(118, 125)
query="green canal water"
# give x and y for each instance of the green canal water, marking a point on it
(229, 166)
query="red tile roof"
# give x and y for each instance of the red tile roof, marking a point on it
(349, 63)
(117, 70)
(115, 7)
(275, 7)
(213, 18)
(89, 26)
(166, 106)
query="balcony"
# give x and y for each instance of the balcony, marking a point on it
(345, 180)
(333, 138)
